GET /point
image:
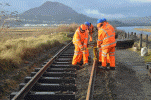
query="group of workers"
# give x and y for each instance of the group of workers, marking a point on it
(105, 43)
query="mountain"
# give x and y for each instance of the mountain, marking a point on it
(136, 21)
(54, 12)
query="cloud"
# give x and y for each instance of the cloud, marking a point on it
(140, 0)
(111, 16)
(89, 11)
(97, 14)
(92, 8)
(16, 5)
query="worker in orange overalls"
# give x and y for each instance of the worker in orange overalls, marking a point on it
(112, 28)
(80, 41)
(91, 30)
(106, 42)
(88, 25)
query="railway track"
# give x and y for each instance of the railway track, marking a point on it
(56, 79)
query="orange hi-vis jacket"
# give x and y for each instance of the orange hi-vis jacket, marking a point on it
(106, 36)
(80, 39)
(111, 27)
(91, 29)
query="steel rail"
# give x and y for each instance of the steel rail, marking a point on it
(92, 78)
(22, 93)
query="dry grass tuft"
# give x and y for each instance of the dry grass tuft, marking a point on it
(146, 30)
(137, 45)
(16, 48)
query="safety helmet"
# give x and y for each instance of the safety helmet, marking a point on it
(103, 19)
(82, 27)
(87, 23)
(99, 21)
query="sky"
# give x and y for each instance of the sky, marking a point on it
(111, 9)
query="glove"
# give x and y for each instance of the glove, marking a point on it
(82, 49)
(98, 46)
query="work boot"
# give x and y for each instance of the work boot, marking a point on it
(108, 64)
(89, 58)
(112, 68)
(85, 65)
(78, 64)
(99, 63)
(108, 67)
(101, 67)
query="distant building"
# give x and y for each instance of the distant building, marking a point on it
(27, 25)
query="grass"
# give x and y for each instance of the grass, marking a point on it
(146, 58)
(14, 50)
(146, 29)
(18, 45)
(16, 33)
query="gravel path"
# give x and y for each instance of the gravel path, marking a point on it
(130, 80)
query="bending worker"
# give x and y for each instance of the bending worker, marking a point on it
(106, 43)
(88, 25)
(80, 41)
(91, 30)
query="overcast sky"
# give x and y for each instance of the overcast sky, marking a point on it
(111, 9)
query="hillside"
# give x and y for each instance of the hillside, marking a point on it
(56, 13)
(137, 21)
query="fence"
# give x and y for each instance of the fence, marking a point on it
(133, 35)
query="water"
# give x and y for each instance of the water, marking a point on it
(131, 29)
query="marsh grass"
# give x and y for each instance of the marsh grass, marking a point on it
(147, 29)
(13, 52)
(17, 45)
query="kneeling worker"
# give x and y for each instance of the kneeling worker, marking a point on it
(106, 42)
(80, 41)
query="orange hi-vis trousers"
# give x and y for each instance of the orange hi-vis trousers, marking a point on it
(87, 52)
(78, 56)
(90, 37)
(111, 52)
(100, 56)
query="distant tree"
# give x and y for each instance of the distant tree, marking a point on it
(7, 18)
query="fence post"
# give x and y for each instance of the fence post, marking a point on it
(125, 35)
(131, 33)
(140, 41)
(147, 41)
(128, 35)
